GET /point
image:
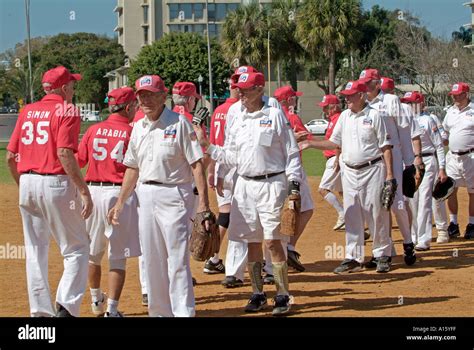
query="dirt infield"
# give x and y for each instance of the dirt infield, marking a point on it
(439, 284)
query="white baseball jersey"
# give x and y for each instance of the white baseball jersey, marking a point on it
(431, 140)
(260, 143)
(460, 126)
(360, 135)
(169, 141)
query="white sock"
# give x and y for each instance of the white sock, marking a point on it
(291, 247)
(112, 306)
(215, 259)
(96, 295)
(332, 199)
(453, 218)
(471, 220)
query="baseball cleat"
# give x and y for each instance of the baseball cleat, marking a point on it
(443, 236)
(453, 230)
(98, 307)
(348, 266)
(113, 314)
(421, 248)
(409, 254)
(294, 261)
(469, 234)
(212, 268)
(383, 264)
(281, 305)
(232, 282)
(256, 303)
(371, 264)
(61, 311)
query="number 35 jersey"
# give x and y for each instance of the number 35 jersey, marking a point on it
(103, 147)
(43, 127)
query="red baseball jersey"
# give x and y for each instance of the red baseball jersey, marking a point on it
(103, 147)
(218, 122)
(295, 123)
(332, 123)
(138, 116)
(43, 127)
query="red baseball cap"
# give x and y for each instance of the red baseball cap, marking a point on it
(151, 83)
(57, 77)
(121, 95)
(459, 88)
(240, 70)
(413, 97)
(354, 87)
(368, 75)
(248, 80)
(185, 89)
(285, 92)
(387, 84)
(329, 100)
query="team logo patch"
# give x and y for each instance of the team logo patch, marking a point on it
(367, 121)
(456, 87)
(242, 70)
(324, 99)
(243, 78)
(145, 81)
(362, 74)
(170, 134)
(349, 86)
(407, 95)
(266, 123)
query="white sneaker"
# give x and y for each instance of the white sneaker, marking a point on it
(98, 307)
(113, 314)
(443, 236)
(339, 224)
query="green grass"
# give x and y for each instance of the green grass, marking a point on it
(314, 162)
(5, 177)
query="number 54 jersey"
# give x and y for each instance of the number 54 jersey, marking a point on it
(103, 146)
(43, 127)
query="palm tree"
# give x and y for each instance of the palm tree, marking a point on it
(329, 26)
(283, 31)
(244, 35)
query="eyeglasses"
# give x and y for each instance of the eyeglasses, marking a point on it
(246, 91)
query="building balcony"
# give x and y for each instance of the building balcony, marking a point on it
(118, 28)
(118, 8)
(469, 3)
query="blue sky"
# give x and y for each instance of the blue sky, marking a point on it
(50, 17)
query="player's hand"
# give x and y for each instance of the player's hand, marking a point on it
(87, 205)
(301, 135)
(220, 186)
(442, 175)
(304, 145)
(202, 138)
(200, 116)
(114, 214)
(211, 181)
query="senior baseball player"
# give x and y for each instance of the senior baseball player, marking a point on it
(331, 179)
(367, 155)
(287, 97)
(103, 149)
(264, 151)
(435, 163)
(164, 155)
(54, 199)
(405, 142)
(459, 124)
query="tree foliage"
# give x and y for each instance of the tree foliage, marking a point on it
(182, 57)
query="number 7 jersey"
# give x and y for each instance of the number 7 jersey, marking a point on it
(103, 147)
(43, 127)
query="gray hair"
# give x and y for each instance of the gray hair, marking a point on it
(117, 108)
(180, 100)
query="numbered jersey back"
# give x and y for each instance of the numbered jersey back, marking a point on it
(41, 129)
(103, 148)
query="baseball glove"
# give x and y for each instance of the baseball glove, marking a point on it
(204, 243)
(388, 193)
(290, 215)
(200, 116)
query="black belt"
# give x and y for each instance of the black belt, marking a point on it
(153, 183)
(364, 165)
(35, 173)
(262, 177)
(463, 152)
(427, 154)
(98, 183)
